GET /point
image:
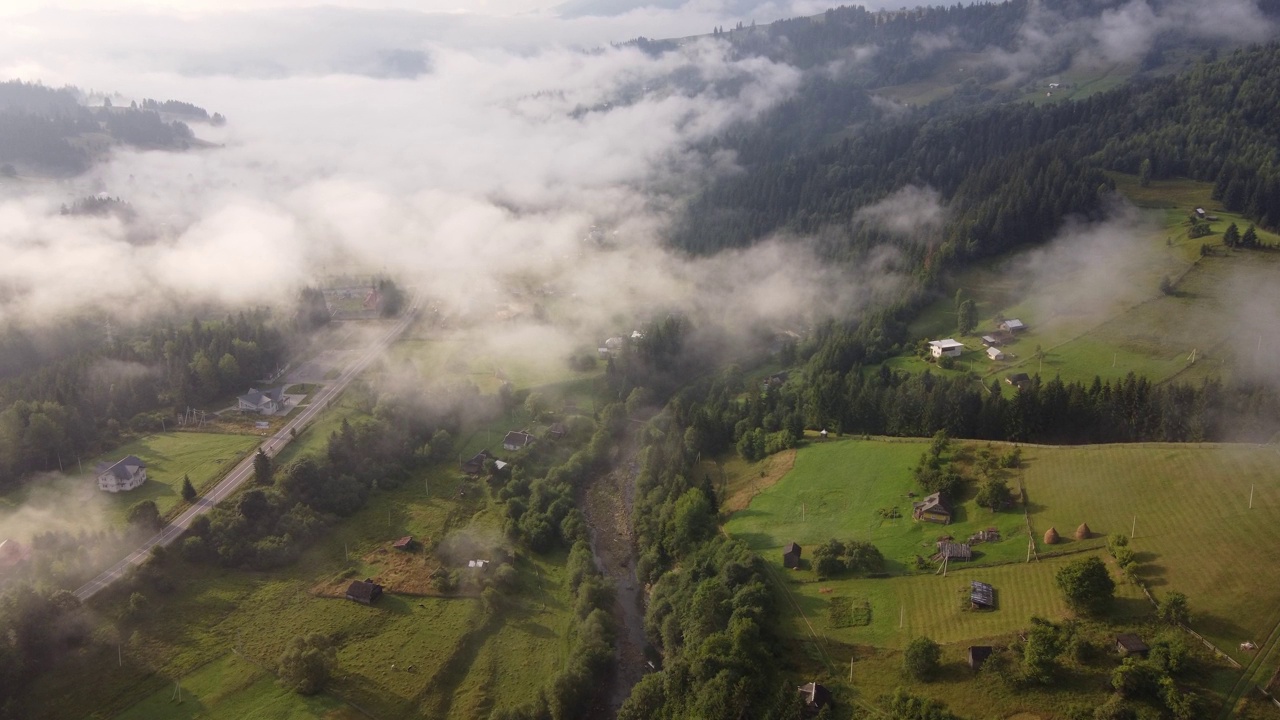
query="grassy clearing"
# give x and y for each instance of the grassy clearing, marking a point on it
(1132, 328)
(170, 456)
(1195, 533)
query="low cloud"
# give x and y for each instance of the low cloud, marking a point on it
(911, 211)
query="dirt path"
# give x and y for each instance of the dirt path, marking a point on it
(607, 503)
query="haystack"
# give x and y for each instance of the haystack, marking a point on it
(1051, 536)
(1083, 532)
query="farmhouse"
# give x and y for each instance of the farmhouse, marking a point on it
(982, 596)
(978, 654)
(517, 440)
(1130, 644)
(1013, 325)
(945, 348)
(125, 475)
(948, 550)
(1019, 380)
(994, 353)
(933, 508)
(364, 591)
(264, 402)
(791, 556)
(815, 697)
(475, 465)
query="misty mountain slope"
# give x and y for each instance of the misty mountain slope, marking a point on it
(1007, 175)
(44, 131)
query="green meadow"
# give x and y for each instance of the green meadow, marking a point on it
(1189, 506)
(205, 457)
(219, 632)
(1195, 332)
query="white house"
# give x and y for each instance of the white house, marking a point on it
(125, 475)
(1013, 325)
(516, 440)
(946, 348)
(265, 402)
(994, 353)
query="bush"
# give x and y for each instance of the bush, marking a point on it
(922, 659)
(1087, 585)
(307, 663)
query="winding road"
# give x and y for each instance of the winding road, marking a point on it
(242, 472)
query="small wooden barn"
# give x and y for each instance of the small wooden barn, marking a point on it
(815, 697)
(364, 591)
(1130, 644)
(791, 555)
(978, 654)
(982, 596)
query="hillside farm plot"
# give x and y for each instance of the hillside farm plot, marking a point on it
(850, 490)
(1189, 505)
(204, 457)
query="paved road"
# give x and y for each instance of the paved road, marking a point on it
(244, 470)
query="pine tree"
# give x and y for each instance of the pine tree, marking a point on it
(262, 468)
(188, 490)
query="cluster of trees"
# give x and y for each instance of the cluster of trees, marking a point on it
(99, 205)
(40, 127)
(186, 109)
(38, 627)
(540, 508)
(1232, 238)
(712, 619)
(59, 409)
(836, 557)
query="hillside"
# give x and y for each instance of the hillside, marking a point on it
(1187, 506)
(46, 131)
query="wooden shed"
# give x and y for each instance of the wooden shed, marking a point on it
(1131, 644)
(978, 654)
(791, 555)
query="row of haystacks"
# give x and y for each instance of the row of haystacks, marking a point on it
(1083, 532)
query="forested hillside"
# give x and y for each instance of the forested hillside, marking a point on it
(44, 130)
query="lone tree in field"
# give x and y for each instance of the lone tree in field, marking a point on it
(263, 470)
(1173, 609)
(307, 664)
(188, 490)
(966, 317)
(1087, 585)
(922, 658)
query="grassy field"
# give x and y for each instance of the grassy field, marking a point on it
(220, 633)
(169, 457)
(1195, 533)
(1196, 332)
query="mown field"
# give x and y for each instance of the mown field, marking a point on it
(205, 457)
(1189, 505)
